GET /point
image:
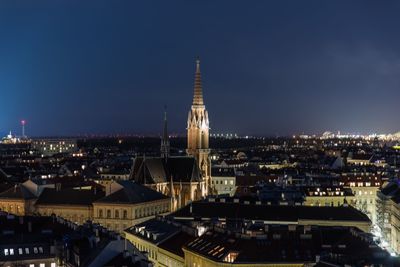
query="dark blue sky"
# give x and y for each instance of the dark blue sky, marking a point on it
(269, 67)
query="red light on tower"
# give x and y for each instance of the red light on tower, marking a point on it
(23, 122)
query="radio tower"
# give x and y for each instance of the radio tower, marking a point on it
(23, 122)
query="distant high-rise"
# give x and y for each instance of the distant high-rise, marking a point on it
(23, 122)
(198, 130)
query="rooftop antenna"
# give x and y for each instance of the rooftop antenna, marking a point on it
(23, 122)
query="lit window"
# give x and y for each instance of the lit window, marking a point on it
(231, 257)
(42, 265)
(35, 250)
(27, 250)
(53, 264)
(11, 251)
(6, 251)
(31, 265)
(40, 249)
(20, 251)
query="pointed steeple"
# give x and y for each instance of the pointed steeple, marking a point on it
(198, 90)
(165, 138)
(165, 132)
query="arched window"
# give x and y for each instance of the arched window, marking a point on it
(125, 214)
(108, 213)
(100, 213)
(117, 214)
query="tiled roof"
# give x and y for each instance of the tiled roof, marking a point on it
(158, 170)
(283, 246)
(154, 230)
(132, 193)
(175, 243)
(68, 196)
(205, 209)
(17, 192)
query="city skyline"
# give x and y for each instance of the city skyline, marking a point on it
(267, 69)
(199, 133)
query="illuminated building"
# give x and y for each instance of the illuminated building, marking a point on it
(388, 216)
(183, 178)
(364, 187)
(75, 205)
(48, 147)
(248, 235)
(223, 181)
(17, 200)
(198, 127)
(327, 196)
(128, 203)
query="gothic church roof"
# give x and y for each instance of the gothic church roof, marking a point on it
(159, 170)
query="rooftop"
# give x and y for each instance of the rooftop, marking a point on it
(249, 211)
(69, 196)
(132, 193)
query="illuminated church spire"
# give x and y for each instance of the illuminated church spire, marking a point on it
(198, 90)
(198, 130)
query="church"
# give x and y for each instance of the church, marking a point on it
(183, 178)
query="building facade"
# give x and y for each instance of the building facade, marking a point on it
(50, 147)
(74, 205)
(17, 200)
(128, 203)
(223, 181)
(387, 216)
(365, 187)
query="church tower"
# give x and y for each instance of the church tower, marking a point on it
(198, 130)
(165, 139)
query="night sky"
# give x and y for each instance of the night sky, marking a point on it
(268, 67)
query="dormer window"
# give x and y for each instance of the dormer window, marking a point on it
(231, 256)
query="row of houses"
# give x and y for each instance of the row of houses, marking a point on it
(116, 207)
